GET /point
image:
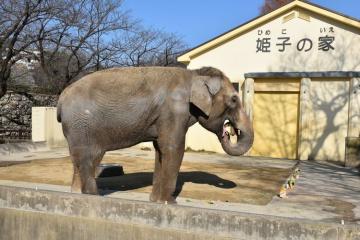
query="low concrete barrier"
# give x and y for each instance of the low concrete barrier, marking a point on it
(30, 214)
(11, 148)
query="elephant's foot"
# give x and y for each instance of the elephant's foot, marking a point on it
(75, 189)
(155, 194)
(90, 187)
(156, 197)
(153, 198)
(91, 192)
(167, 197)
(169, 200)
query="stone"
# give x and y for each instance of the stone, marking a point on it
(17, 107)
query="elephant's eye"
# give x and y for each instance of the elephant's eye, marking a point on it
(234, 99)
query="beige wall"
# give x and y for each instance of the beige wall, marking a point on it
(45, 127)
(198, 138)
(38, 119)
(354, 108)
(238, 56)
(275, 124)
(329, 119)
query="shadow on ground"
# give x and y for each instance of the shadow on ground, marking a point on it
(138, 180)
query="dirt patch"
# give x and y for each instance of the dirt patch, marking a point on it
(204, 181)
(10, 163)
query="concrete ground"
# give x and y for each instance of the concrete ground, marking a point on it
(324, 192)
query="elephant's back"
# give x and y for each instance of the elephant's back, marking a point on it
(117, 97)
(125, 87)
(128, 81)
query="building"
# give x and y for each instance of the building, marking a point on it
(299, 72)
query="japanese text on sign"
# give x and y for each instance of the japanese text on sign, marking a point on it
(325, 42)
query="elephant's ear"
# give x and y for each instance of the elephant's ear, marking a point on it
(202, 91)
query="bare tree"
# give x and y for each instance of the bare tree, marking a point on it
(270, 5)
(73, 30)
(172, 47)
(15, 17)
(51, 74)
(147, 48)
(76, 38)
(70, 38)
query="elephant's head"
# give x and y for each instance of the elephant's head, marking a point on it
(216, 105)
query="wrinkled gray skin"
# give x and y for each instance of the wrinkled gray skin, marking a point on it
(118, 108)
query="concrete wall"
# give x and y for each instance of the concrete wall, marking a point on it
(31, 214)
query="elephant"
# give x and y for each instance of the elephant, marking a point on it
(120, 107)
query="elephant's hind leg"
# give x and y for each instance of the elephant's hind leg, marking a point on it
(85, 160)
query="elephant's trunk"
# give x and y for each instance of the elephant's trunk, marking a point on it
(244, 134)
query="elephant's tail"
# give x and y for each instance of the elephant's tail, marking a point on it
(58, 112)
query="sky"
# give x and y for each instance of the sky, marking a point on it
(197, 21)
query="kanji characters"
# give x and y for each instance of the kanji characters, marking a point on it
(284, 42)
(325, 43)
(305, 44)
(263, 45)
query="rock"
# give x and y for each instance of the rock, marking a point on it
(18, 108)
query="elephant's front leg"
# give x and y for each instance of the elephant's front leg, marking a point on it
(155, 193)
(171, 155)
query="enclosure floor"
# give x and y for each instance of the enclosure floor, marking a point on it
(324, 191)
(226, 182)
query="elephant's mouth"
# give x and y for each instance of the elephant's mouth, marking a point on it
(230, 130)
